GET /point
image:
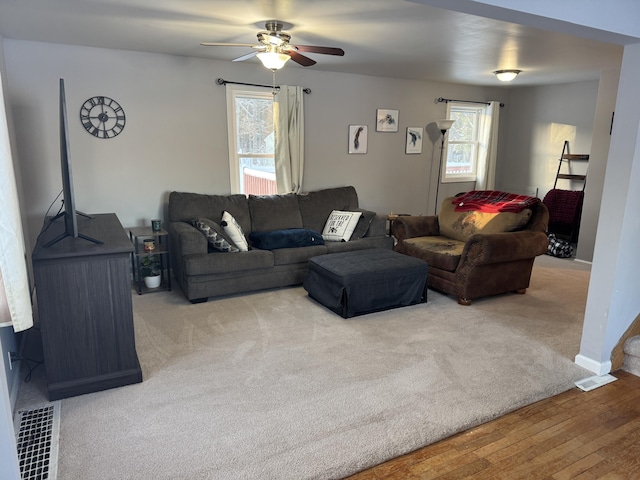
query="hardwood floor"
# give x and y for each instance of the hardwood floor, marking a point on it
(581, 435)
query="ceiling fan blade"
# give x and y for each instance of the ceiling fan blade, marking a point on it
(210, 44)
(317, 49)
(301, 59)
(246, 56)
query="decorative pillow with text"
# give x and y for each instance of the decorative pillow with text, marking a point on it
(340, 226)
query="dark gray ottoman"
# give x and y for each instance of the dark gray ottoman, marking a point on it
(365, 281)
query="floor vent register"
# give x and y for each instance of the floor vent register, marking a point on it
(37, 433)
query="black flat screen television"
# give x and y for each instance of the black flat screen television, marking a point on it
(69, 214)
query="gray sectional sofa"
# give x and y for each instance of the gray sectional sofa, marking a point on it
(203, 272)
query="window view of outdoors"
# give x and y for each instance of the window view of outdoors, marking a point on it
(255, 149)
(462, 142)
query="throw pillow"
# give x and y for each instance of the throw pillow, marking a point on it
(559, 247)
(289, 238)
(363, 223)
(340, 226)
(215, 235)
(233, 229)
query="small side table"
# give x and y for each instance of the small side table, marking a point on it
(137, 236)
(390, 218)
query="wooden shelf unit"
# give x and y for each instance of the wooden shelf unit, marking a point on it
(567, 158)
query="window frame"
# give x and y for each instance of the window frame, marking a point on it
(234, 91)
(479, 111)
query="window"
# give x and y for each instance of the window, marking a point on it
(251, 140)
(461, 150)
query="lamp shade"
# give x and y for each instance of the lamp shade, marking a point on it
(273, 60)
(506, 75)
(444, 125)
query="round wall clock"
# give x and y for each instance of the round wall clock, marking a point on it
(102, 117)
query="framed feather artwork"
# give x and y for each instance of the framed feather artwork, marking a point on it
(414, 140)
(357, 139)
(386, 120)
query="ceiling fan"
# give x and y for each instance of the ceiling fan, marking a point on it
(274, 49)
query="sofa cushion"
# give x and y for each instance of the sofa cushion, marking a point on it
(340, 226)
(184, 207)
(461, 225)
(223, 263)
(315, 207)
(215, 235)
(438, 251)
(274, 212)
(234, 231)
(292, 256)
(289, 238)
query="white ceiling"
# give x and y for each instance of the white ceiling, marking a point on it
(394, 38)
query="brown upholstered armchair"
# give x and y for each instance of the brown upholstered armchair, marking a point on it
(474, 254)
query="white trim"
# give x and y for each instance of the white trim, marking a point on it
(461, 178)
(234, 176)
(234, 160)
(582, 261)
(599, 368)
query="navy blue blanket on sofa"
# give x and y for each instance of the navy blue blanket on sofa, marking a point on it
(290, 238)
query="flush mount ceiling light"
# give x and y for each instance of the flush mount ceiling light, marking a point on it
(506, 75)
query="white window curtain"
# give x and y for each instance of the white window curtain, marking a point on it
(288, 111)
(488, 148)
(14, 280)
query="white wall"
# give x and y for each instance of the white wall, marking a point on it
(613, 302)
(600, 143)
(541, 119)
(175, 136)
(9, 467)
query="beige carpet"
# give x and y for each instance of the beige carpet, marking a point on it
(273, 386)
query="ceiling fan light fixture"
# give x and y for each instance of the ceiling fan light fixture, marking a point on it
(273, 60)
(506, 75)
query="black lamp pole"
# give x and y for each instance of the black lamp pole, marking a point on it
(443, 126)
(444, 132)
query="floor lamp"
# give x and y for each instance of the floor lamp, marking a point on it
(443, 126)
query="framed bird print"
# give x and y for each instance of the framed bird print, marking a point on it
(357, 139)
(386, 120)
(414, 140)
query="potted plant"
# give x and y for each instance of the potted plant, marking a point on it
(150, 271)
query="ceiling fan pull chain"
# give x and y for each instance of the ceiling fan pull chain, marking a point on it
(275, 90)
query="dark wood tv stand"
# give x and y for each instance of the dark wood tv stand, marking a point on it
(85, 313)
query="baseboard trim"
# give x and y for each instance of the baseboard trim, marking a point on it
(599, 368)
(579, 260)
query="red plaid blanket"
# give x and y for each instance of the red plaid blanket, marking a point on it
(492, 201)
